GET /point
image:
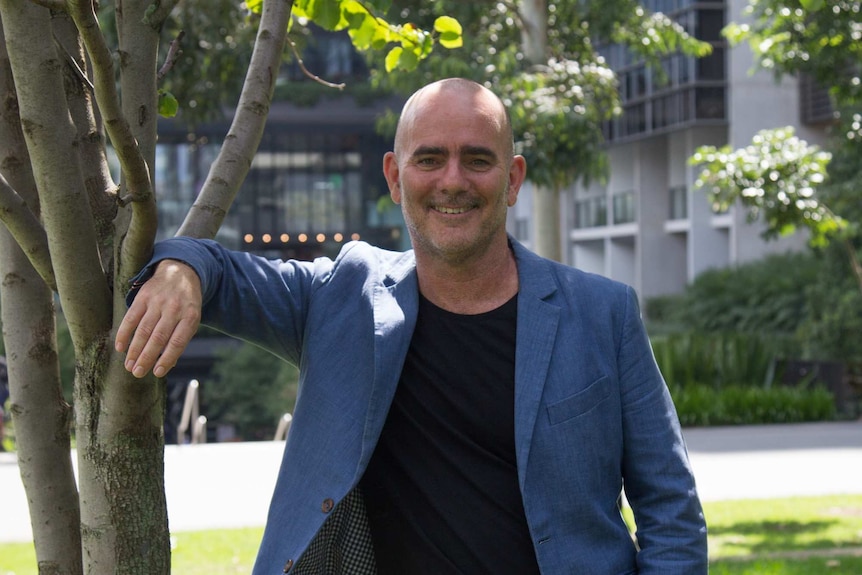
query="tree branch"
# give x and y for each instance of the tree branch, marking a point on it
(27, 231)
(174, 52)
(308, 74)
(132, 162)
(158, 12)
(234, 160)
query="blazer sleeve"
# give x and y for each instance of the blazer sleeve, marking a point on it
(261, 301)
(658, 480)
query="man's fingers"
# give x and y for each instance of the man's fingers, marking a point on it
(161, 321)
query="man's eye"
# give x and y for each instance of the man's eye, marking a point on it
(479, 163)
(427, 161)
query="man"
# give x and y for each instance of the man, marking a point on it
(466, 407)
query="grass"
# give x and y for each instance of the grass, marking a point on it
(797, 536)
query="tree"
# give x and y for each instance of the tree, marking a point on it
(71, 230)
(546, 62)
(783, 180)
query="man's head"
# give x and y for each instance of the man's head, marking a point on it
(453, 170)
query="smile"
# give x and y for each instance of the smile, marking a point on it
(445, 210)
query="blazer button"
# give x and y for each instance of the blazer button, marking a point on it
(288, 565)
(327, 505)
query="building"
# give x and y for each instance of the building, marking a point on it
(648, 226)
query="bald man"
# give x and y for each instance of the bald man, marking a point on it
(464, 407)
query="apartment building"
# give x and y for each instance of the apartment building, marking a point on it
(648, 225)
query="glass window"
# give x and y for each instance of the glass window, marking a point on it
(678, 203)
(711, 67)
(624, 207)
(709, 103)
(709, 25)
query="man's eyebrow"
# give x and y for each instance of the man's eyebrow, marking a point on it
(429, 151)
(478, 151)
(464, 151)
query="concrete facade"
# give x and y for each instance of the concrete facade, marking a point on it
(647, 225)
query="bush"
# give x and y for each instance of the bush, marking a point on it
(251, 390)
(716, 359)
(700, 405)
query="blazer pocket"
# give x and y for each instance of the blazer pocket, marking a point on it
(580, 403)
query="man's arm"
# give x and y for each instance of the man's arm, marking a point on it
(162, 319)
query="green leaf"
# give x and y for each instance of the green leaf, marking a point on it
(408, 60)
(168, 104)
(812, 5)
(393, 57)
(445, 24)
(451, 40)
(325, 13)
(255, 6)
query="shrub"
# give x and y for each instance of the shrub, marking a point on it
(716, 359)
(700, 405)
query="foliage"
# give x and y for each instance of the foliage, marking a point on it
(775, 179)
(215, 39)
(558, 101)
(699, 405)
(715, 359)
(799, 305)
(819, 37)
(766, 297)
(781, 178)
(832, 328)
(251, 390)
(369, 31)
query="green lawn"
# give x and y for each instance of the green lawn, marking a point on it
(799, 536)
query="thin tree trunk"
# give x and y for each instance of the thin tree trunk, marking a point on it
(546, 201)
(42, 416)
(546, 218)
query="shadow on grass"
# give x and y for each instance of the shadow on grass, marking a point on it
(769, 536)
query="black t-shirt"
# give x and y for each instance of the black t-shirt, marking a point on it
(442, 485)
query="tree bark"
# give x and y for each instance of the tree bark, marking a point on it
(42, 416)
(120, 448)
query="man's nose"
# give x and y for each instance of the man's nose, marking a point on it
(453, 178)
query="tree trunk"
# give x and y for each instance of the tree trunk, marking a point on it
(546, 218)
(41, 415)
(120, 449)
(546, 201)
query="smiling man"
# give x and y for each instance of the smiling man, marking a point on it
(464, 407)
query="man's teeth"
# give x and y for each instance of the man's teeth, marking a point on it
(450, 210)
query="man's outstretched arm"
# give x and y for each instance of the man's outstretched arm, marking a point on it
(162, 319)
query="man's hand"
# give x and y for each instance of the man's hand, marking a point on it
(162, 320)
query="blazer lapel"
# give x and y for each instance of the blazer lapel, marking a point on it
(396, 304)
(536, 334)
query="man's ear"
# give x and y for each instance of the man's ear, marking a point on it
(391, 173)
(517, 174)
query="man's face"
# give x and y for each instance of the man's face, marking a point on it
(453, 174)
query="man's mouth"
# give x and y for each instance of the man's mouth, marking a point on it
(445, 210)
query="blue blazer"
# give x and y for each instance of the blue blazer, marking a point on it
(592, 413)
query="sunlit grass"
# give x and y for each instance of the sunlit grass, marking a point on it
(797, 536)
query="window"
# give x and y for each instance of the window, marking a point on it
(624, 207)
(678, 203)
(591, 212)
(709, 103)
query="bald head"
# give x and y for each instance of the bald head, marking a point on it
(458, 91)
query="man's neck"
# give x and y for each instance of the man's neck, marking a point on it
(472, 287)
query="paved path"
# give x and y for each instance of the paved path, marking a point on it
(229, 484)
